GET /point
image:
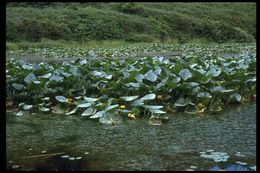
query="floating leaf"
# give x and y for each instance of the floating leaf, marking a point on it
(72, 111)
(98, 74)
(89, 99)
(183, 102)
(27, 67)
(214, 71)
(36, 82)
(158, 70)
(135, 85)
(61, 99)
(157, 111)
(138, 103)
(46, 98)
(74, 70)
(148, 97)
(162, 83)
(185, 74)
(19, 113)
(43, 109)
(89, 111)
(237, 96)
(18, 86)
(176, 79)
(129, 98)
(139, 77)
(220, 89)
(56, 78)
(153, 106)
(151, 76)
(46, 76)
(48, 67)
(84, 105)
(82, 62)
(21, 104)
(108, 76)
(110, 107)
(204, 95)
(98, 114)
(29, 78)
(27, 107)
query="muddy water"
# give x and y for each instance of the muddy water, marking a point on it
(39, 142)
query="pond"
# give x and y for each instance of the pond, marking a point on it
(185, 142)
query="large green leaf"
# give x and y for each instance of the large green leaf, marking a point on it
(88, 112)
(151, 76)
(148, 97)
(72, 111)
(129, 98)
(183, 102)
(204, 95)
(110, 107)
(84, 105)
(157, 111)
(98, 114)
(89, 99)
(153, 106)
(237, 97)
(46, 76)
(185, 74)
(18, 86)
(61, 99)
(29, 78)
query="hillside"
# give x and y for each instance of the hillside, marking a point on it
(133, 22)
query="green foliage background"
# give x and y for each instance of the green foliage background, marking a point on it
(132, 22)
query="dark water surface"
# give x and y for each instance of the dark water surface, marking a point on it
(132, 145)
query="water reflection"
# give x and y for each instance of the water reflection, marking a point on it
(132, 145)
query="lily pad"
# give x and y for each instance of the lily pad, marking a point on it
(157, 111)
(153, 106)
(61, 99)
(183, 102)
(88, 112)
(129, 98)
(89, 99)
(98, 114)
(84, 105)
(185, 74)
(19, 113)
(72, 111)
(18, 86)
(27, 107)
(43, 109)
(148, 97)
(151, 76)
(46, 76)
(29, 78)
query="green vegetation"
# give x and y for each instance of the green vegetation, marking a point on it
(81, 23)
(200, 80)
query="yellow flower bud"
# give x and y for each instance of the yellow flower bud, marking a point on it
(122, 106)
(159, 97)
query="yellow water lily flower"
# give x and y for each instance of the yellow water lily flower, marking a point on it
(131, 115)
(70, 100)
(159, 97)
(122, 106)
(200, 108)
(201, 105)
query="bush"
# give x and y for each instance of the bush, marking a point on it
(140, 38)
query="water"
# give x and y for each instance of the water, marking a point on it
(133, 145)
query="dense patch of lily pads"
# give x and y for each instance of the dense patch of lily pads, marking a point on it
(113, 88)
